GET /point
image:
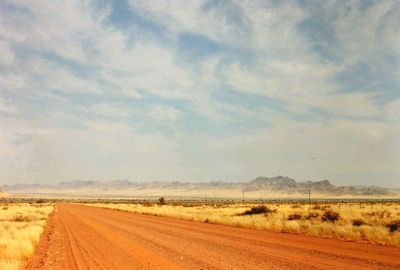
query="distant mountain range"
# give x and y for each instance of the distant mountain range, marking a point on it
(279, 185)
(289, 185)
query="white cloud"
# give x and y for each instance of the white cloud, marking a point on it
(110, 110)
(80, 34)
(116, 64)
(372, 30)
(304, 150)
(164, 113)
(392, 112)
(58, 78)
(275, 28)
(6, 106)
(347, 104)
(256, 25)
(283, 80)
(7, 56)
(104, 151)
(47, 29)
(148, 68)
(183, 16)
(13, 81)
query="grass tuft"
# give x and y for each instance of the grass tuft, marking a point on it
(340, 217)
(20, 228)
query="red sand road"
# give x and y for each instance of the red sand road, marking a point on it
(84, 237)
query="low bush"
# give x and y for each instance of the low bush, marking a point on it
(330, 215)
(393, 226)
(321, 207)
(256, 210)
(316, 207)
(379, 214)
(294, 217)
(21, 218)
(148, 204)
(358, 222)
(311, 215)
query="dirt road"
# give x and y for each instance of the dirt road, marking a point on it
(83, 237)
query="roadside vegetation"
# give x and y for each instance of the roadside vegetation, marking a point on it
(364, 222)
(21, 225)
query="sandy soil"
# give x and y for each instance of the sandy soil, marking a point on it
(83, 237)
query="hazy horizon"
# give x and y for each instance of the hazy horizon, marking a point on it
(200, 91)
(55, 183)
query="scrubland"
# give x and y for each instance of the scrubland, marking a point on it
(20, 228)
(363, 222)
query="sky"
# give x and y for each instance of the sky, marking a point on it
(200, 90)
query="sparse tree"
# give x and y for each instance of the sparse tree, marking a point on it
(161, 201)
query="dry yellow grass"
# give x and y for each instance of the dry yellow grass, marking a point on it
(20, 228)
(373, 227)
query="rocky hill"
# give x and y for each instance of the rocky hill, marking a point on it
(289, 185)
(260, 185)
